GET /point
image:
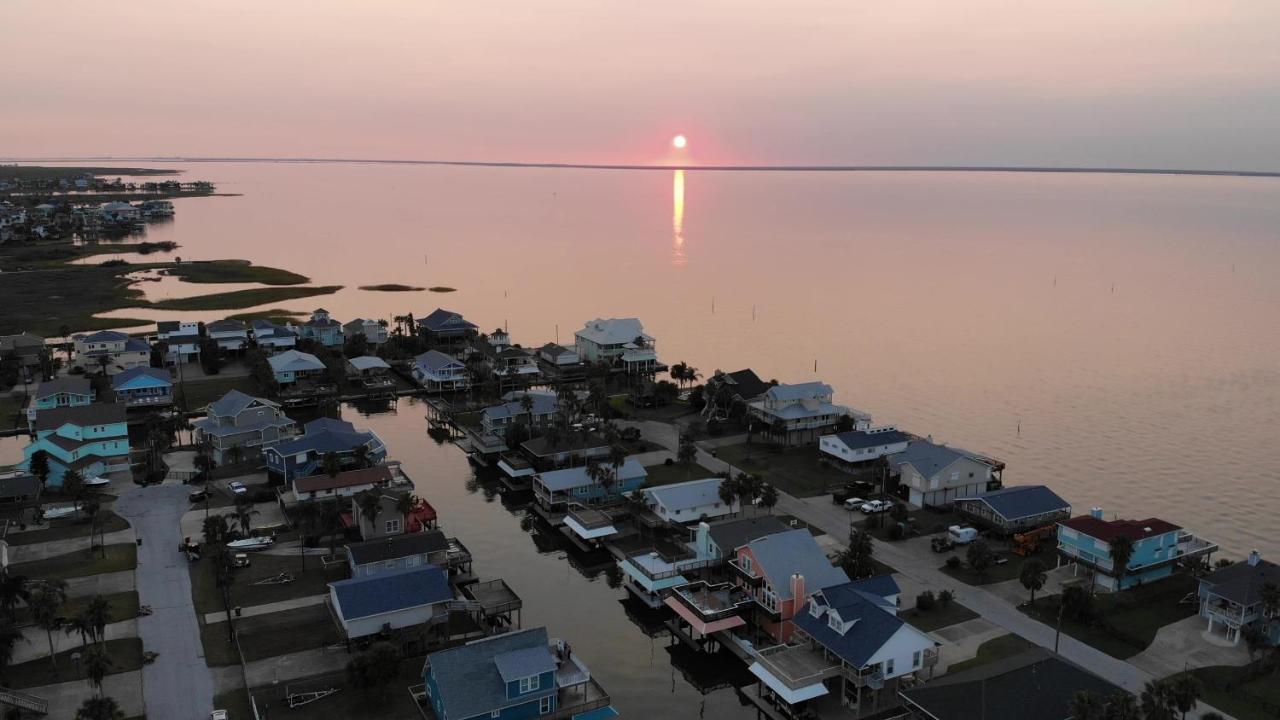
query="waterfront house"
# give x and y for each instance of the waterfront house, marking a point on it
(515, 363)
(239, 427)
(688, 502)
(800, 413)
(143, 387)
(370, 369)
(723, 389)
(719, 541)
(513, 676)
(861, 446)
(320, 328)
(1034, 684)
(292, 366)
(495, 419)
(28, 350)
(443, 327)
(404, 599)
(390, 519)
(93, 439)
(779, 572)
(617, 342)
(547, 453)
(398, 552)
(374, 331)
(434, 370)
(231, 335)
(1231, 598)
(345, 484)
(66, 391)
(304, 455)
(935, 474)
(1015, 509)
(554, 490)
(119, 213)
(1085, 542)
(273, 338)
(19, 489)
(119, 352)
(849, 641)
(182, 340)
(559, 355)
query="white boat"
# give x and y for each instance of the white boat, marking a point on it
(59, 512)
(258, 543)
(96, 481)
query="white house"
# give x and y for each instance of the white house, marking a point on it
(858, 446)
(558, 355)
(291, 366)
(121, 351)
(688, 502)
(804, 411)
(434, 370)
(373, 331)
(182, 339)
(617, 341)
(939, 475)
(406, 598)
(273, 338)
(231, 335)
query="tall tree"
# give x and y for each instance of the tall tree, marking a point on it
(332, 464)
(73, 485)
(370, 504)
(1033, 577)
(215, 530)
(728, 490)
(686, 454)
(1086, 706)
(98, 613)
(979, 556)
(96, 666)
(92, 508)
(1184, 693)
(14, 589)
(1157, 702)
(856, 560)
(244, 514)
(47, 599)
(1121, 705)
(40, 466)
(1121, 553)
(768, 498)
(308, 517)
(9, 639)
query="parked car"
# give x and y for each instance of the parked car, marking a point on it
(853, 503)
(875, 506)
(961, 535)
(196, 496)
(238, 488)
(219, 715)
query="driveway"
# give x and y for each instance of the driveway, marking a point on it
(178, 685)
(1182, 645)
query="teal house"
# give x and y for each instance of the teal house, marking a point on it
(93, 439)
(321, 328)
(143, 387)
(513, 676)
(1158, 548)
(69, 391)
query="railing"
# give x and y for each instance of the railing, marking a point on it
(1230, 613)
(749, 577)
(773, 660)
(678, 566)
(694, 595)
(930, 658)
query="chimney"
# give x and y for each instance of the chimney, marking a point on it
(797, 588)
(1095, 512)
(1254, 557)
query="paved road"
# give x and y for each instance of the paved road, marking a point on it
(177, 685)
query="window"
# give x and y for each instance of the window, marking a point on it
(544, 707)
(414, 561)
(529, 684)
(915, 659)
(495, 713)
(888, 667)
(388, 563)
(393, 526)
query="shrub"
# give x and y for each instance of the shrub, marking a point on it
(945, 597)
(669, 462)
(925, 601)
(953, 562)
(896, 532)
(713, 428)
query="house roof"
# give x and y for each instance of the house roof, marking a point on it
(860, 439)
(1034, 684)
(136, 345)
(348, 478)
(523, 663)
(729, 535)
(19, 484)
(554, 350)
(577, 477)
(744, 383)
(781, 555)
(440, 320)
(368, 362)
(401, 589)
(540, 446)
(323, 436)
(873, 623)
(81, 415)
(1022, 501)
(927, 458)
(1108, 530)
(686, 495)
(467, 677)
(224, 326)
(234, 402)
(103, 336)
(21, 340)
(613, 331)
(1241, 582)
(71, 384)
(294, 361)
(799, 391)
(542, 405)
(263, 328)
(434, 360)
(394, 547)
(168, 325)
(132, 375)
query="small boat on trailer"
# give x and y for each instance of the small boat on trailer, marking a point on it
(251, 544)
(54, 513)
(96, 481)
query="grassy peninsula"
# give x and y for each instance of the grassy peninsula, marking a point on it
(391, 287)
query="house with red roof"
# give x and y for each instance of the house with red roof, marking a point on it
(1159, 548)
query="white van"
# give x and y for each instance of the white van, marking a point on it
(853, 503)
(961, 535)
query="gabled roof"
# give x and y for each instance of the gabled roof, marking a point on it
(1241, 582)
(729, 535)
(467, 677)
(1108, 530)
(613, 331)
(368, 362)
(234, 402)
(873, 624)
(928, 458)
(224, 326)
(362, 597)
(136, 345)
(263, 328)
(1035, 684)
(70, 384)
(433, 360)
(744, 383)
(860, 439)
(141, 376)
(523, 663)
(542, 447)
(103, 336)
(440, 320)
(378, 474)
(577, 477)
(798, 391)
(542, 405)
(795, 551)
(686, 495)
(554, 350)
(1022, 501)
(81, 416)
(394, 547)
(325, 435)
(294, 361)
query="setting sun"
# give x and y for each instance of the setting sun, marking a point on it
(678, 142)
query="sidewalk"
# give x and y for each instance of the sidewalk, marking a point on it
(268, 608)
(44, 550)
(37, 643)
(103, 584)
(65, 698)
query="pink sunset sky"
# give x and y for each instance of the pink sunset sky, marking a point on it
(1136, 83)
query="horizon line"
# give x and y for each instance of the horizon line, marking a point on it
(1066, 169)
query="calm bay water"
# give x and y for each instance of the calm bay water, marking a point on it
(1114, 337)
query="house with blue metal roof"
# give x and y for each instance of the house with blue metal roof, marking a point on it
(143, 387)
(401, 598)
(445, 326)
(1015, 509)
(304, 455)
(860, 446)
(110, 351)
(779, 572)
(292, 366)
(512, 676)
(273, 338)
(435, 370)
(850, 642)
(554, 490)
(688, 502)
(934, 474)
(239, 427)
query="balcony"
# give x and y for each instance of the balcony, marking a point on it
(748, 577)
(1228, 613)
(656, 566)
(712, 602)
(797, 666)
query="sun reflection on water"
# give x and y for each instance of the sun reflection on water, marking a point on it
(677, 219)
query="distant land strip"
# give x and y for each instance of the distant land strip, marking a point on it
(668, 167)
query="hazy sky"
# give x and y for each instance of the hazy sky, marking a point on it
(1158, 83)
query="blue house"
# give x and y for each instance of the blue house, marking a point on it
(1158, 547)
(143, 387)
(304, 456)
(1231, 598)
(322, 329)
(1015, 509)
(513, 676)
(92, 439)
(435, 370)
(556, 489)
(292, 366)
(407, 598)
(68, 391)
(445, 326)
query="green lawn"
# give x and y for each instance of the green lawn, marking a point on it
(219, 651)
(244, 593)
(1126, 622)
(994, 649)
(938, 617)
(1233, 691)
(796, 471)
(11, 410)
(119, 557)
(125, 655)
(235, 702)
(1011, 570)
(124, 605)
(348, 703)
(263, 636)
(661, 474)
(236, 299)
(108, 522)
(195, 394)
(234, 271)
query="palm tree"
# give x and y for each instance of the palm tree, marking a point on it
(91, 507)
(308, 516)
(9, 639)
(1156, 701)
(96, 666)
(1185, 693)
(79, 625)
(728, 491)
(686, 454)
(104, 362)
(331, 521)
(100, 708)
(13, 589)
(332, 464)
(370, 505)
(47, 599)
(215, 529)
(98, 614)
(361, 456)
(749, 487)
(73, 485)
(1121, 553)
(1033, 577)
(526, 404)
(768, 498)
(856, 560)
(40, 466)
(1121, 705)
(244, 514)
(405, 503)
(1086, 706)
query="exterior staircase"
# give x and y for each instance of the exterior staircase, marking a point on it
(13, 698)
